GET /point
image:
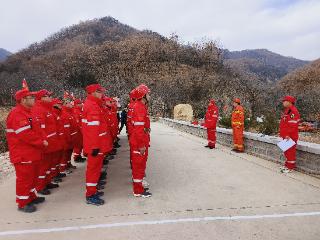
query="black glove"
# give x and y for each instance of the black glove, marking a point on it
(95, 152)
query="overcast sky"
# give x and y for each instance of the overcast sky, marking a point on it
(288, 27)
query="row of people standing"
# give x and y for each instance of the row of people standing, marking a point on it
(44, 132)
(288, 128)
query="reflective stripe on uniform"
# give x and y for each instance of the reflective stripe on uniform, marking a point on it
(138, 123)
(102, 134)
(137, 180)
(91, 184)
(27, 162)
(43, 126)
(42, 177)
(292, 121)
(67, 125)
(73, 133)
(84, 120)
(93, 123)
(19, 130)
(51, 135)
(22, 197)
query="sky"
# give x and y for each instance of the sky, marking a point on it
(288, 27)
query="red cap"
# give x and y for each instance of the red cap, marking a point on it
(94, 87)
(289, 99)
(237, 100)
(56, 101)
(144, 88)
(43, 93)
(212, 101)
(23, 93)
(133, 94)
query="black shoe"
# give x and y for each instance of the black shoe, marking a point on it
(103, 175)
(61, 175)
(116, 145)
(207, 146)
(105, 162)
(44, 191)
(95, 200)
(38, 200)
(52, 185)
(70, 166)
(145, 194)
(78, 159)
(109, 158)
(99, 194)
(57, 180)
(101, 182)
(211, 147)
(29, 208)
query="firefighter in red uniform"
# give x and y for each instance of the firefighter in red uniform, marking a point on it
(139, 141)
(45, 124)
(211, 120)
(78, 144)
(25, 149)
(70, 133)
(57, 111)
(289, 129)
(95, 141)
(237, 123)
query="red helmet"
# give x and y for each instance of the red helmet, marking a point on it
(289, 99)
(237, 100)
(23, 93)
(94, 87)
(144, 88)
(212, 102)
(43, 93)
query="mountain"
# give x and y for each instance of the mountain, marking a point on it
(304, 83)
(121, 57)
(4, 54)
(262, 63)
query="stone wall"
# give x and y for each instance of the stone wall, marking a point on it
(263, 146)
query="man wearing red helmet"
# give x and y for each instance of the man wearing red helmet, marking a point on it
(25, 150)
(139, 139)
(211, 120)
(46, 126)
(95, 142)
(237, 123)
(289, 129)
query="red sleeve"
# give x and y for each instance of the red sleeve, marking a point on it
(138, 128)
(93, 126)
(24, 132)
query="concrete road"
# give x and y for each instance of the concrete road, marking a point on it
(197, 194)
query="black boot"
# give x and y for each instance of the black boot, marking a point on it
(29, 208)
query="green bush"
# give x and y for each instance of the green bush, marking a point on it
(3, 139)
(270, 125)
(225, 121)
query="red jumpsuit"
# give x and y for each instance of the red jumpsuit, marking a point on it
(139, 138)
(78, 144)
(95, 136)
(289, 128)
(237, 123)
(211, 120)
(70, 133)
(62, 142)
(25, 149)
(45, 124)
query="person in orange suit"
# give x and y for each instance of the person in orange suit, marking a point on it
(237, 123)
(289, 129)
(211, 119)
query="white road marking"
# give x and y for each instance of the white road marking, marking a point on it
(156, 222)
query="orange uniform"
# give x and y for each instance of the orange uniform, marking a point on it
(237, 123)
